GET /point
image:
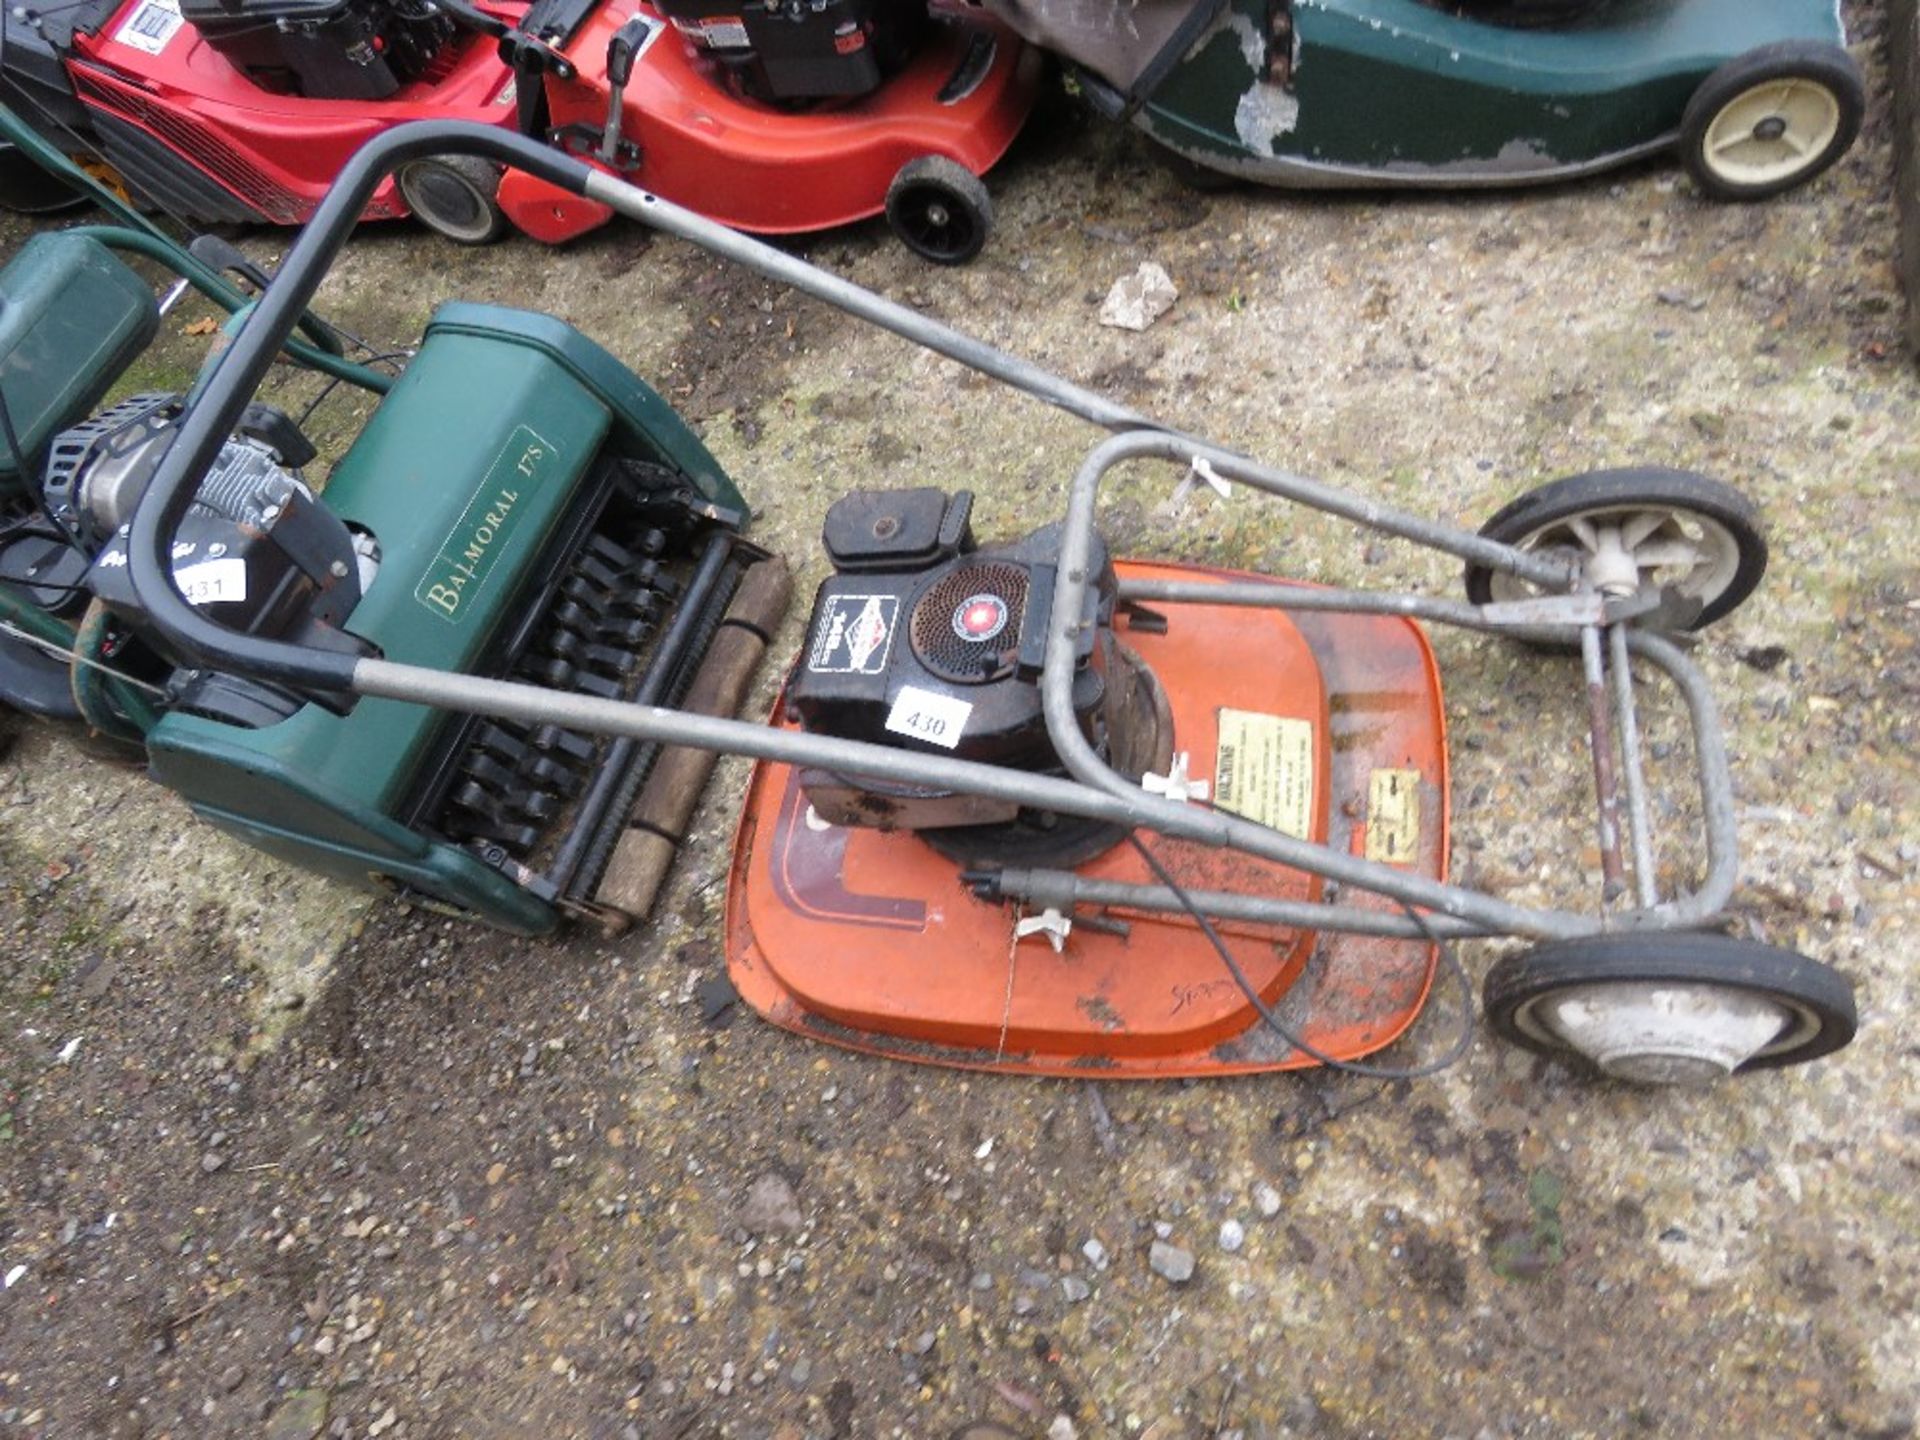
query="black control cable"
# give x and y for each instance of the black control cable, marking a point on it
(1461, 1044)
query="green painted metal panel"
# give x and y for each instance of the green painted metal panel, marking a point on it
(470, 467)
(648, 429)
(1411, 92)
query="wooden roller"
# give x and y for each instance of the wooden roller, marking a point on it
(658, 823)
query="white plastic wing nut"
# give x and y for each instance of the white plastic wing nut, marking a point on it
(1176, 784)
(1050, 923)
(1201, 472)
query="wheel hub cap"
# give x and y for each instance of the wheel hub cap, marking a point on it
(1663, 1033)
(1772, 131)
(1623, 549)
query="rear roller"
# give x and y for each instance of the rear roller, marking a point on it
(939, 209)
(1668, 1009)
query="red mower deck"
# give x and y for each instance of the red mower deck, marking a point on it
(776, 171)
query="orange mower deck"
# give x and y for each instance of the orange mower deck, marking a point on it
(1334, 729)
(772, 171)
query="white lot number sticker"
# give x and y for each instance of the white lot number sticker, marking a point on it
(725, 32)
(930, 716)
(1264, 770)
(211, 581)
(151, 25)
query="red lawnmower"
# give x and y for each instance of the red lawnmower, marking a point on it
(239, 111)
(798, 115)
(788, 116)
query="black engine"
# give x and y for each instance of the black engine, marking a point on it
(256, 551)
(924, 641)
(325, 49)
(794, 51)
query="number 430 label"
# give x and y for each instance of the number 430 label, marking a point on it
(928, 715)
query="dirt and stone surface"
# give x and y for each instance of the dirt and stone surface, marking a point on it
(278, 1162)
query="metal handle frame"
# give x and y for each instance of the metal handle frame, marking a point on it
(1098, 792)
(1478, 912)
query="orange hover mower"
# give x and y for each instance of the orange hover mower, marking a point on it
(1151, 820)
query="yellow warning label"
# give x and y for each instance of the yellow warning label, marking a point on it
(1393, 817)
(1264, 770)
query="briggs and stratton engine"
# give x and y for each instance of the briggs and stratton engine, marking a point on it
(325, 49)
(924, 641)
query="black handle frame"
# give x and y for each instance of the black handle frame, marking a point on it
(229, 385)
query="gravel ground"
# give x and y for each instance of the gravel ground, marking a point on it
(491, 1188)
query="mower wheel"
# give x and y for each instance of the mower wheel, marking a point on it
(1665, 1009)
(455, 196)
(1671, 529)
(939, 209)
(1771, 119)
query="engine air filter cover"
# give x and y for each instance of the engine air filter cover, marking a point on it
(966, 627)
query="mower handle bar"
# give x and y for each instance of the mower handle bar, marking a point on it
(232, 377)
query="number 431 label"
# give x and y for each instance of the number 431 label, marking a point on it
(928, 715)
(210, 581)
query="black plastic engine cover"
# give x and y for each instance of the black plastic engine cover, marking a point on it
(323, 49)
(790, 52)
(897, 529)
(947, 657)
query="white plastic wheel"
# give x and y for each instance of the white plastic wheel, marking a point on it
(1768, 135)
(1771, 119)
(1630, 547)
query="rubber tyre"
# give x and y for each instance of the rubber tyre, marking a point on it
(456, 196)
(1821, 995)
(939, 209)
(1561, 500)
(1827, 66)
